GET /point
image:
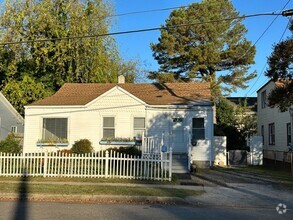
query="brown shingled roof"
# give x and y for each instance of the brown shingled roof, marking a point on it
(153, 94)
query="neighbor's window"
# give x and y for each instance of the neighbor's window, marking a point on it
(272, 134)
(262, 133)
(263, 99)
(55, 128)
(13, 129)
(138, 127)
(108, 127)
(288, 134)
(198, 129)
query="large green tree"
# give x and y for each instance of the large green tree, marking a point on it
(26, 91)
(281, 69)
(54, 62)
(211, 44)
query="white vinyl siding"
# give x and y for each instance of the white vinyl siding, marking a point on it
(266, 116)
(108, 127)
(55, 128)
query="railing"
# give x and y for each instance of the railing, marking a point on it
(103, 164)
(151, 148)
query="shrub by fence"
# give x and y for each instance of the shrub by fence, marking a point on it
(92, 165)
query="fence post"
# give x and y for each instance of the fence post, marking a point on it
(170, 164)
(45, 164)
(107, 164)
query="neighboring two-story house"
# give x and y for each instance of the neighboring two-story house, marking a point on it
(272, 124)
(10, 120)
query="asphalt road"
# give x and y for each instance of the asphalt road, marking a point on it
(60, 210)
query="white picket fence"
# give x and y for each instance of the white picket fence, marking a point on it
(95, 165)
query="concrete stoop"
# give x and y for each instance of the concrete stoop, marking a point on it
(179, 163)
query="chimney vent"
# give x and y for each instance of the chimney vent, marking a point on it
(121, 79)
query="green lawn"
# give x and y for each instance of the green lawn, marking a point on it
(89, 180)
(281, 175)
(34, 188)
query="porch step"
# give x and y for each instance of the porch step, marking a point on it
(180, 163)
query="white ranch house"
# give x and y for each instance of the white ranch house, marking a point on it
(176, 112)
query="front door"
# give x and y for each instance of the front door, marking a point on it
(178, 140)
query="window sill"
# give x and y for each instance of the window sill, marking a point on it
(117, 143)
(52, 144)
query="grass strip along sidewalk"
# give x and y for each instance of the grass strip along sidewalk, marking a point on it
(77, 186)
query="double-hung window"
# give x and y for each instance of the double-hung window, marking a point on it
(198, 129)
(55, 128)
(262, 133)
(272, 133)
(263, 99)
(108, 127)
(138, 127)
(13, 129)
(289, 134)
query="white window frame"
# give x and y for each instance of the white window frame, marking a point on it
(56, 118)
(109, 127)
(272, 137)
(288, 128)
(263, 99)
(262, 131)
(138, 129)
(194, 129)
(13, 129)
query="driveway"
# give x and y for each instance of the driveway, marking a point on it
(232, 176)
(245, 189)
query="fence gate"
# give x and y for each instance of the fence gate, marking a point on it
(237, 158)
(255, 156)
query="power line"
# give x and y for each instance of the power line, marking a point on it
(147, 11)
(139, 30)
(262, 71)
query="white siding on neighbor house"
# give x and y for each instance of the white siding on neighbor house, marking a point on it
(266, 116)
(8, 118)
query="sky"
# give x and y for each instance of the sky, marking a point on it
(137, 45)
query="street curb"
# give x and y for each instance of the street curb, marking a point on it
(94, 198)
